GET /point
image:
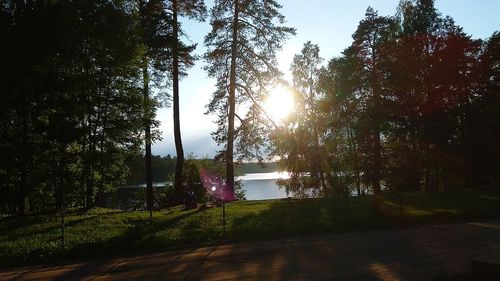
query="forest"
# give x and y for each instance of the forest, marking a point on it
(413, 104)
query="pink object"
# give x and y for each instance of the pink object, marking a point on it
(216, 186)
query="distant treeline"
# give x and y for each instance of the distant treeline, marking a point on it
(163, 168)
(251, 167)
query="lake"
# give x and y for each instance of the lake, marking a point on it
(257, 186)
(261, 186)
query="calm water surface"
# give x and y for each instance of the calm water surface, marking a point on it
(261, 186)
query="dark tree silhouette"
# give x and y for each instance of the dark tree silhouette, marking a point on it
(194, 9)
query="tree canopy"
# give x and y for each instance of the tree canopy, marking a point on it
(411, 104)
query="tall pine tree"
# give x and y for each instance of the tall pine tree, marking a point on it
(241, 56)
(181, 59)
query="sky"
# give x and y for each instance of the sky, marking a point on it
(327, 23)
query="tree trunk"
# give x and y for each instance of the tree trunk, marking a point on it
(354, 152)
(436, 171)
(149, 176)
(232, 101)
(377, 147)
(100, 190)
(23, 163)
(427, 175)
(147, 134)
(21, 195)
(88, 171)
(377, 150)
(319, 161)
(61, 175)
(177, 127)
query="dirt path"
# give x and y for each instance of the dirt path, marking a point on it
(423, 253)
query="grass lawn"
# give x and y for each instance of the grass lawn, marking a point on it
(100, 232)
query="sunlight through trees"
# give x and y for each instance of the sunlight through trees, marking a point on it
(411, 104)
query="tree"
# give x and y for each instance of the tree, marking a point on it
(241, 56)
(301, 140)
(113, 114)
(194, 9)
(339, 81)
(479, 146)
(155, 33)
(433, 75)
(369, 39)
(165, 53)
(73, 108)
(490, 121)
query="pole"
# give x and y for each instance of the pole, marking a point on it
(289, 213)
(223, 219)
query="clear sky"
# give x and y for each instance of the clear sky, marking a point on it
(328, 23)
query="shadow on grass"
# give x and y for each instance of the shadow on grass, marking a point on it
(139, 237)
(10, 226)
(11, 233)
(441, 206)
(282, 218)
(297, 217)
(131, 233)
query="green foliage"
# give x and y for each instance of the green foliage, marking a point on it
(71, 109)
(407, 106)
(163, 167)
(246, 168)
(302, 137)
(192, 168)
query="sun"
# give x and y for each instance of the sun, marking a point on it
(279, 103)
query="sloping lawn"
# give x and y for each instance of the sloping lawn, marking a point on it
(103, 232)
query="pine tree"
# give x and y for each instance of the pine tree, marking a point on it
(369, 43)
(241, 56)
(181, 59)
(155, 29)
(165, 54)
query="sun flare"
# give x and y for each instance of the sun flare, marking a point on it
(279, 103)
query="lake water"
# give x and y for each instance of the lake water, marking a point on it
(261, 186)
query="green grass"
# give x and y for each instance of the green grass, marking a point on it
(99, 232)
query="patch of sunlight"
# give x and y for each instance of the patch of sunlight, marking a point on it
(383, 272)
(390, 203)
(430, 212)
(255, 209)
(486, 225)
(418, 212)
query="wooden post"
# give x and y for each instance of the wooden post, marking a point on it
(289, 213)
(223, 219)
